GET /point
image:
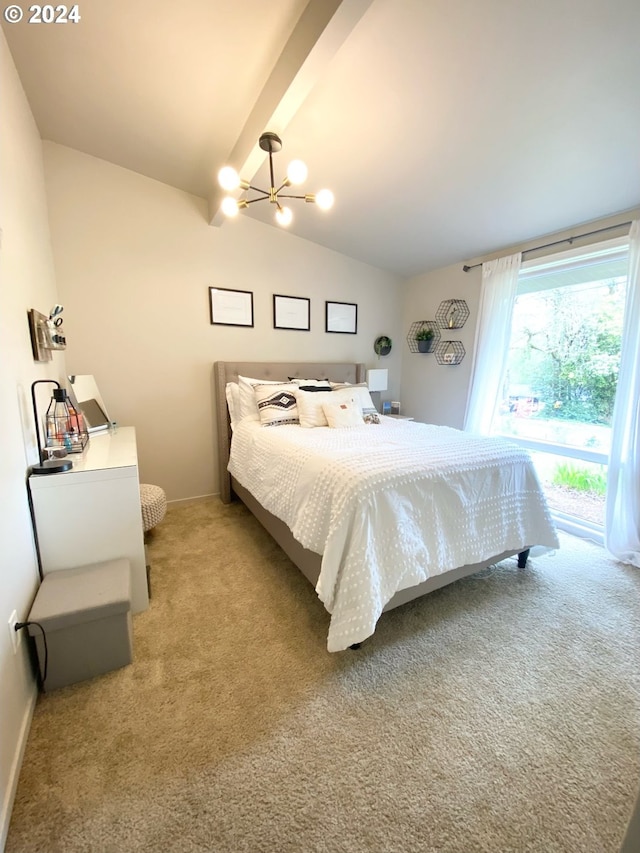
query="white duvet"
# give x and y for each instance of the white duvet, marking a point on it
(389, 505)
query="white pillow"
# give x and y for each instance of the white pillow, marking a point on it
(310, 410)
(310, 404)
(248, 405)
(359, 393)
(276, 403)
(232, 393)
(345, 414)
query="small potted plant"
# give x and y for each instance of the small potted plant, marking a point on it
(424, 337)
(382, 345)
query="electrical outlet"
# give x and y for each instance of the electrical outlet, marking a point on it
(15, 635)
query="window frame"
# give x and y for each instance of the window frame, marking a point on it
(615, 251)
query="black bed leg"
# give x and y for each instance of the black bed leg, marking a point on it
(523, 556)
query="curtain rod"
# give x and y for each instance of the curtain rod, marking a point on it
(466, 267)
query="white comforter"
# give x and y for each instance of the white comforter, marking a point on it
(390, 505)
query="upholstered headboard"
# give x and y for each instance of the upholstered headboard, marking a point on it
(228, 371)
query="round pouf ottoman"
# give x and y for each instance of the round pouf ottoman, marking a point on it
(154, 505)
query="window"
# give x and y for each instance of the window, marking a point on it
(561, 378)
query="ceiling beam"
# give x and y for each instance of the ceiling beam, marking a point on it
(322, 29)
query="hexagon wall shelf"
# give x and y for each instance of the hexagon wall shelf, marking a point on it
(452, 314)
(423, 324)
(450, 352)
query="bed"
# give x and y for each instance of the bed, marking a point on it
(381, 513)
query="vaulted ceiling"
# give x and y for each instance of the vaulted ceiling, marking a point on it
(446, 129)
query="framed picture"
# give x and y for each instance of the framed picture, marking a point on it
(341, 317)
(291, 312)
(231, 307)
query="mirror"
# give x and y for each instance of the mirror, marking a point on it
(85, 396)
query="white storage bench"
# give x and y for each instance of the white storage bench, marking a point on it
(85, 614)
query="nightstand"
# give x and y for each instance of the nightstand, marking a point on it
(92, 513)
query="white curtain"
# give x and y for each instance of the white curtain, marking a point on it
(493, 334)
(622, 524)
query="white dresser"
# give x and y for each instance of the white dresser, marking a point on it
(92, 512)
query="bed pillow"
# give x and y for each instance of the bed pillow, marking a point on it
(310, 405)
(310, 410)
(344, 414)
(232, 393)
(276, 403)
(359, 393)
(248, 405)
(311, 384)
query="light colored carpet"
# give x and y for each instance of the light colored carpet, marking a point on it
(498, 714)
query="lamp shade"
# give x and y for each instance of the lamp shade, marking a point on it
(377, 380)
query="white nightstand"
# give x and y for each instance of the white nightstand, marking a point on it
(92, 513)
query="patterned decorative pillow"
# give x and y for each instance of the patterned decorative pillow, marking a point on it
(248, 407)
(344, 414)
(277, 404)
(311, 384)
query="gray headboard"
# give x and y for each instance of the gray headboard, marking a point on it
(228, 371)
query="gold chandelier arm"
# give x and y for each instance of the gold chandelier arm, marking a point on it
(301, 197)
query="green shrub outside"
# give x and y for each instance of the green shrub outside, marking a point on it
(580, 479)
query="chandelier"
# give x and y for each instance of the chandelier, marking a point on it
(230, 180)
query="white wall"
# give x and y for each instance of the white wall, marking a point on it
(26, 281)
(431, 392)
(134, 261)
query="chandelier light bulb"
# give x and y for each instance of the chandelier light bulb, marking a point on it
(324, 199)
(228, 179)
(297, 172)
(230, 206)
(284, 216)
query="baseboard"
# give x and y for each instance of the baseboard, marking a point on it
(12, 787)
(198, 499)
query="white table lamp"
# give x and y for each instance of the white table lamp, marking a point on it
(377, 380)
